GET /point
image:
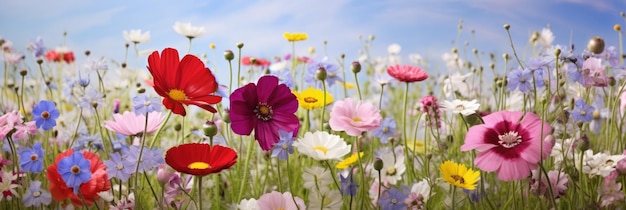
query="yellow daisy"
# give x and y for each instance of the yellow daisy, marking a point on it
(348, 85)
(294, 37)
(459, 175)
(312, 98)
(349, 161)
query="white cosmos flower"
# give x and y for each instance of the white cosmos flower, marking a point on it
(461, 107)
(316, 176)
(394, 49)
(248, 204)
(546, 37)
(393, 167)
(421, 188)
(600, 164)
(322, 146)
(327, 199)
(136, 36)
(188, 30)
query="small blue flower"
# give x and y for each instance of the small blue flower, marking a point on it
(392, 199)
(283, 147)
(581, 112)
(92, 99)
(45, 114)
(119, 167)
(520, 79)
(284, 77)
(31, 160)
(37, 47)
(89, 141)
(96, 64)
(35, 196)
(143, 104)
(74, 170)
(386, 130)
(332, 74)
(348, 187)
(149, 158)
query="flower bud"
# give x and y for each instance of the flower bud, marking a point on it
(611, 81)
(583, 143)
(141, 90)
(209, 128)
(163, 175)
(596, 45)
(123, 65)
(617, 27)
(378, 164)
(505, 56)
(116, 106)
(557, 52)
(226, 117)
(178, 127)
(39, 61)
(356, 67)
(87, 52)
(228, 55)
(240, 45)
(507, 26)
(311, 50)
(212, 45)
(23, 72)
(321, 74)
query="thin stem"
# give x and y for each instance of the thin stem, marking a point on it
(143, 142)
(323, 105)
(230, 73)
(245, 174)
(154, 138)
(358, 88)
(199, 192)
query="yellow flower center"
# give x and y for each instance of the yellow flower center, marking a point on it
(391, 171)
(177, 95)
(357, 119)
(263, 112)
(321, 148)
(310, 100)
(199, 165)
(45, 114)
(458, 178)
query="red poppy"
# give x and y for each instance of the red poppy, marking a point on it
(55, 56)
(182, 82)
(98, 182)
(252, 61)
(200, 159)
(406, 73)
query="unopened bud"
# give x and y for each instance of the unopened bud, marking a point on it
(612, 81)
(505, 56)
(507, 26)
(87, 52)
(123, 65)
(212, 45)
(209, 128)
(141, 90)
(617, 27)
(321, 74)
(356, 67)
(378, 164)
(240, 45)
(178, 127)
(583, 143)
(228, 55)
(39, 61)
(557, 52)
(226, 117)
(596, 45)
(23, 72)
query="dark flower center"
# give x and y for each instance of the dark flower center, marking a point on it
(510, 139)
(263, 112)
(45, 115)
(33, 157)
(75, 169)
(458, 178)
(310, 100)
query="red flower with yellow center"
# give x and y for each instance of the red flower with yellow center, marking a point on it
(182, 82)
(200, 159)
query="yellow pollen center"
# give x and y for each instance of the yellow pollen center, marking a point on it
(357, 119)
(391, 171)
(321, 148)
(458, 178)
(264, 110)
(177, 95)
(310, 100)
(460, 107)
(45, 114)
(285, 146)
(199, 165)
(280, 208)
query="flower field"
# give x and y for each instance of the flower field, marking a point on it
(542, 130)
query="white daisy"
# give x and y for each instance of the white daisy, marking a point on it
(461, 107)
(546, 37)
(136, 36)
(248, 204)
(393, 167)
(322, 146)
(316, 176)
(327, 199)
(188, 30)
(600, 164)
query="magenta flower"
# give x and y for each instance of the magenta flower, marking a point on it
(354, 119)
(509, 144)
(265, 108)
(131, 124)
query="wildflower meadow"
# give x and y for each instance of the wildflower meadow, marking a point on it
(542, 129)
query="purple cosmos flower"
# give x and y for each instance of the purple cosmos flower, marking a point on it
(74, 170)
(348, 186)
(149, 158)
(582, 111)
(88, 141)
(520, 79)
(265, 108)
(143, 104)
(284, 146)
(119, 167)
(332, 74)
(45, 114)
(35, 196)
(392, 199)
(284, 76)
(37, 47)
(386, 130)
(31, 159)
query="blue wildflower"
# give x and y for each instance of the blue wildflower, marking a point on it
(45, 114)
(283, 147)
(392, 199)
(35, 196)
(581, 112)
(96, 64)
(143, 104)
(386, 130)
(520, 79)
(348, 187)
(119, 167)
(92, 99)
(31, 159)
(149, 158)
(89, 141)
(284, 77)
(74, 170)
(37, 47)
(332, 74)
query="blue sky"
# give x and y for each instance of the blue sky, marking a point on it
(426, 27)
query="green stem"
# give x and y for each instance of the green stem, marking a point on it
(358, 87)
(323, 106)
(199, 192)
(245, 174)
(154, 138)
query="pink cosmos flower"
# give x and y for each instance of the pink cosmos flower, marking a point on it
(12, 123)
(277, 200)
(509, 143)
(593, 73)
(354, 119)
(131, 124)
(406, 73)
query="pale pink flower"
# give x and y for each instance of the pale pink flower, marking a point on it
(558, 180)
(131, 124)
(507, 145)
(12, 121)
(354, 118)
(277, 200)
(593, 73)
(611, 191)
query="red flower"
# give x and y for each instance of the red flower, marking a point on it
(407, 73)
(200, 159)
(182, 82)
(252, 61)
(99, 180)
(55, 56)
